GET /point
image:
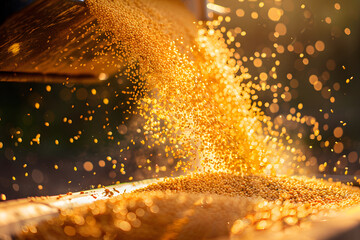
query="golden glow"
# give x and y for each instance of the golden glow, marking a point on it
(217, 8)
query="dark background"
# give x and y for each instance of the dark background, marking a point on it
(342, 49)
(28, 168)
(8, 7)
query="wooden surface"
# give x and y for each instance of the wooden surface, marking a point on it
(59, 40)
(53, 41)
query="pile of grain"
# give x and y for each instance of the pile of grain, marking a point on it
(317, 193)
(205, 205)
